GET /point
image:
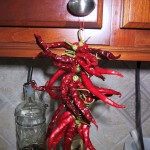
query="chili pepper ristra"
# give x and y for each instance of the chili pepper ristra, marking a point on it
(76, 91)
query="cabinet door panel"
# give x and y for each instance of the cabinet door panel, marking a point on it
(60, 29)
(136, 14)
(126, 37)
(45, 13)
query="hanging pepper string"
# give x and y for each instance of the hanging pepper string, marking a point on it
(81, 22)
(81, 28)
(77, 68)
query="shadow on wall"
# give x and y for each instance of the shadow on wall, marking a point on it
(45, 63)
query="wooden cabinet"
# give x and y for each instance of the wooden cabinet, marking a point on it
(107, 26)
(45, 13)
(51, 19)
(136, 14)
(132, 44)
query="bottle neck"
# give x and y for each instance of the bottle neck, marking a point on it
(29, 93)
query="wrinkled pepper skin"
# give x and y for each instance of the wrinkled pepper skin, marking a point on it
(71, 132)
(87, 141)
(89, 85)
(60, 128)
(52, 122)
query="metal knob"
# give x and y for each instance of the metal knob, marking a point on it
(80, 8)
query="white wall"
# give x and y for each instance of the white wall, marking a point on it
(114, 124)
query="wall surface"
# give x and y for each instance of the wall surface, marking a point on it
(114, 124)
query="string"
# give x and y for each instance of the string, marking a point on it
(81, 35)
(81, 22)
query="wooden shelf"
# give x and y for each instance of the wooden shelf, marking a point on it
(30, 50)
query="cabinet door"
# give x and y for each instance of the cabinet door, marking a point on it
(136, 14)
(127, 37)
(20, 19)
(45, 13)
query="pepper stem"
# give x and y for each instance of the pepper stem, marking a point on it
(78, 121)
(73, 46)
(83, 90)
(88, 103)
(75, 78)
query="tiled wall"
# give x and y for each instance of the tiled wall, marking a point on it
(114, 124)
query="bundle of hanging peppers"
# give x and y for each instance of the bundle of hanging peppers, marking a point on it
(76, 91)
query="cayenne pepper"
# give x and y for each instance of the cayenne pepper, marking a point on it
(89, 85)
(71, 132)
(60, 127)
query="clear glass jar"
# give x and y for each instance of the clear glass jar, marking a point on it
(30, 121)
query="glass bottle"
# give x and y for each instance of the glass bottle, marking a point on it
(30, 121)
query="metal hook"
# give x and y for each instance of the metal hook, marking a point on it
(80, 34)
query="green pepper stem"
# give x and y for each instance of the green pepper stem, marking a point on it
(83, 90)
(88, 103)
(78, 121)
(71, 55)
(73, 46)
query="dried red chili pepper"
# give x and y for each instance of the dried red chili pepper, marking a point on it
(54, 78)
(65, 84)
(58, 138)
(80, 103)
(60, 127)
(87, 141)
(72, 108)
(89, 85)
(88, 69)
(108, 91)
(88, 99)
(65, 95)
(52, 94)
(104, 54)
(39, 88)
(89, 59)
(45, 88)
(52, 122)
(71, 132)
(85, 95)
(47, 46)
(97, 71)
(80, 131)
